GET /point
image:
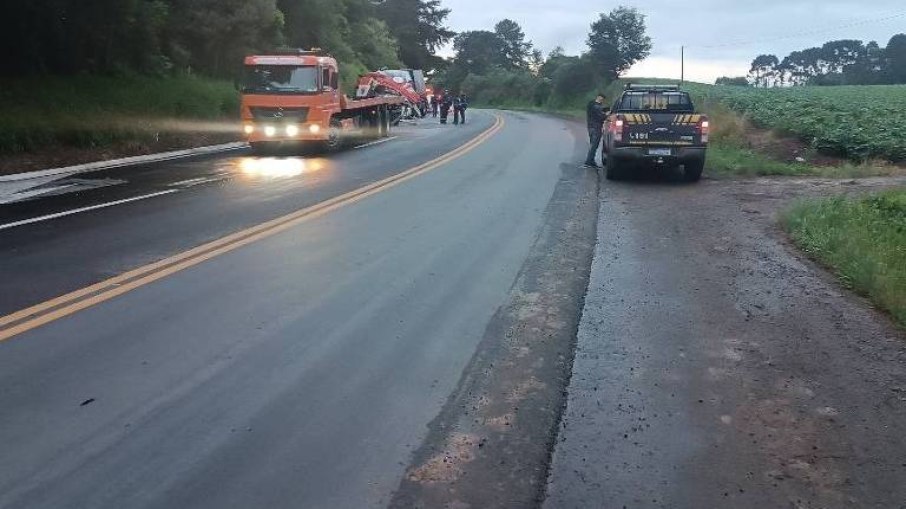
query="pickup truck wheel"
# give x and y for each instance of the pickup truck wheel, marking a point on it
(692, 171)
(613, 169)
(385, 122)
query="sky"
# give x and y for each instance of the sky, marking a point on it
(721, 36)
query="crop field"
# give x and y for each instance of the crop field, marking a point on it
(857, 122)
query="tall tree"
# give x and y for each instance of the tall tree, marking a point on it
(70, 36)
(418, 25)
(555, 59)
(764, 70)
(618, 40)
(517, 53)
(478, 51)
(216, 34)
(895, 55)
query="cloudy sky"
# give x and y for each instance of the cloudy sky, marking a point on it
(721, 36)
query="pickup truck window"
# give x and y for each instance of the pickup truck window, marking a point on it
(655, 100)
(280, 79)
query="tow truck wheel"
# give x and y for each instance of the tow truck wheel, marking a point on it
(613, 169)
(382, 122)
(334, 137)
(692, 171)
(259, 148)
(387, 121)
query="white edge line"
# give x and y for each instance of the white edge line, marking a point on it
(84, 209)
(378, 142)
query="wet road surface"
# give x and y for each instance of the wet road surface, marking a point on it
(301, 370)
(414, 346)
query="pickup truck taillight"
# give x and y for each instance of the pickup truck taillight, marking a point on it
(704, 127)
(616, 128)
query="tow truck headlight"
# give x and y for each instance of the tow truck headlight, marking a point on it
(248, 128)
(270, 131)
(292, 130)
(314, 129)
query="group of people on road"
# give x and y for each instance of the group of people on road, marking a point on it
(596, 113)
(442, 103)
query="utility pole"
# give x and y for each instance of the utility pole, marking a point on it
(682, 72)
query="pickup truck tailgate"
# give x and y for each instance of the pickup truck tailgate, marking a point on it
(665, 129)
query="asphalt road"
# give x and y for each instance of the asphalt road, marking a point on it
(300, 369)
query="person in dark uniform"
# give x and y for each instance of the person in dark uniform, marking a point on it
(595, 114)
(445, 104)
(435, 104)
(459, 109)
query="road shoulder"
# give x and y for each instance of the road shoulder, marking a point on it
(490, 445)
(716, 367)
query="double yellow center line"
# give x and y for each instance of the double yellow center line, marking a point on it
(41, 314)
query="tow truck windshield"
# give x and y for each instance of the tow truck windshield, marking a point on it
(280, 79)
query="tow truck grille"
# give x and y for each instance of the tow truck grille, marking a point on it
(279, 114)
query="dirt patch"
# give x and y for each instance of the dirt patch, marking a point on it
(786, 148)
(60, 156)
(447, 466)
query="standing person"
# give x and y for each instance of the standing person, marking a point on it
(445, 104)
(459, 109)
(595, 114)
(457, 105)
(435, 104)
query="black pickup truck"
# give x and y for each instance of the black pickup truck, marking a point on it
(655, 125)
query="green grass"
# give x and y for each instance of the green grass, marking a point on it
(92, 111)
(862, 239)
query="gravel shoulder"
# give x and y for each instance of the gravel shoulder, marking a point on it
(717, 367)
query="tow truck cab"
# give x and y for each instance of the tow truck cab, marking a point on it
(289, 97)
(655, 125)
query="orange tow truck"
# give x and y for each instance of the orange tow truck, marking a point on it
(294, 98)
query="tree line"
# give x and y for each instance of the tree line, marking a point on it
(210, 37)
(502, 67)
(840, 62)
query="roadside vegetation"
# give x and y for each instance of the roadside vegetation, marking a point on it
(855, 122)
(112, 74)
(738, 147)
(741, 146)
(834, 131)
(863, 240)
(501, 68)
(94, 111)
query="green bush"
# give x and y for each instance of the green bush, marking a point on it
(506, 89)
(91, 111)
(862, 239)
